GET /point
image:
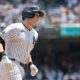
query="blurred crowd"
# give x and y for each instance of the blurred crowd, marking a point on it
(53, 73)
(48, 73)
(10, 10)
(67, 12)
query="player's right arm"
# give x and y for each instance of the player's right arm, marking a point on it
(3, 37)
(8, 35)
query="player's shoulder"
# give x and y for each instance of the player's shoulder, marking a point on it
(12, 26)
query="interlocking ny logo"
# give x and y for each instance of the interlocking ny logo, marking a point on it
(34, 40)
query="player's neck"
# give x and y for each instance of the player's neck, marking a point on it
(27, 25)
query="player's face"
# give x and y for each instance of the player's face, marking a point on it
(35, 19)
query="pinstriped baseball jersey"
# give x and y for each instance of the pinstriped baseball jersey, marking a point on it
(19, 41)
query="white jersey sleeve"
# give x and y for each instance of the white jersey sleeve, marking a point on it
(10, 33)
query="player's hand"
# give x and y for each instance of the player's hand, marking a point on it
(34, 70)
(7, 63)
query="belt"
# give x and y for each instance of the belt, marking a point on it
(23, 65)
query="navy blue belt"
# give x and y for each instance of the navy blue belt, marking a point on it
(23, 65)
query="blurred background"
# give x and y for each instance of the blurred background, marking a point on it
(57, 51)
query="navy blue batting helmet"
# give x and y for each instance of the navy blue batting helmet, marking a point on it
(31, 10)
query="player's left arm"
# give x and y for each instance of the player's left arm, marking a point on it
(33, 68)
(30, 60)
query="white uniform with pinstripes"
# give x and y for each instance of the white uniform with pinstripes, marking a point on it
(19, 43)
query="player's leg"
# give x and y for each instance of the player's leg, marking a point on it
(9, 70)
(21, 68)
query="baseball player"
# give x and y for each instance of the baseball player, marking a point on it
(20, 39)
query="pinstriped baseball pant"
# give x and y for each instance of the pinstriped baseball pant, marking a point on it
(16, 73)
